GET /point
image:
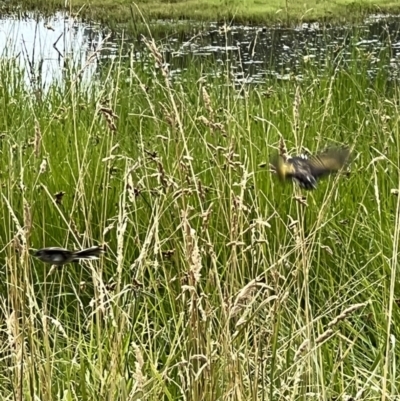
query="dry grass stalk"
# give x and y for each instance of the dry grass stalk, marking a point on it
(200, 190)
(212, 125)
(110, 117)
(282, 148)
(121, 228)
(16, 245)
(162, 177)
(302, 348)
(27, 221)
(38, 139)
(182, 192)
(324, 336)
(14, 340)
(93, 56)
(133, 191)
(206, 218)
(217, 148)
(346, 313)
(74, 227)
(296, 110)
(244, 295)
(169, 117)
(16, 345)
(230, 156)
(207, 102)
(158, 58)
(20, 235)
(296, 229)
(236, 243)
(301, 199)
(191, 249)
(139, 376)
(43, 166)
(56, 324)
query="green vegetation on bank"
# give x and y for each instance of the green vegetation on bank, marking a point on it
(112, 12)
(219, 283)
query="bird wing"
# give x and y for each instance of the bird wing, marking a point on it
(328, 162)
(89, 253)
(54, 249)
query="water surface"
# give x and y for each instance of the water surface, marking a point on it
(48, 47)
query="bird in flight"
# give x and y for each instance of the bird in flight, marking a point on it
(60, 256)
(307, 170)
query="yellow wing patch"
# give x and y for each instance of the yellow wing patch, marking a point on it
(282, 167)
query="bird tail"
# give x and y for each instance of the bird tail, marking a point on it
(92, 253)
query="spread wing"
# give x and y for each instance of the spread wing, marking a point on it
(54, 249)
(328, 162)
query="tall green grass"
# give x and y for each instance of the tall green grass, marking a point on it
(219, 282)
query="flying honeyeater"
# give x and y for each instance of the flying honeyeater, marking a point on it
(60, 256)
(307, 170)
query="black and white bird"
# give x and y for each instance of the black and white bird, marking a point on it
(61, 256)
(307, 170)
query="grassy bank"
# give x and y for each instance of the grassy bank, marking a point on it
(219, 282)
(249, 11)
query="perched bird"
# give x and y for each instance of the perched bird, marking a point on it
(60, 256)
(306, 170)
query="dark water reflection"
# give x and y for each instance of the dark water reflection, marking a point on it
(256, 52)
(250, 54)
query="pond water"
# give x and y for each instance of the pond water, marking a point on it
(43, 46)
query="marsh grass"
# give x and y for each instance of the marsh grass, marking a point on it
(282, 12)
(219, 282)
